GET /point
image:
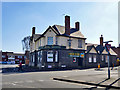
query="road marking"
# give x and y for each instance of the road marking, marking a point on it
(29, 81)
(13, 83)
(41, 80)
(85, 86)
(65, 76)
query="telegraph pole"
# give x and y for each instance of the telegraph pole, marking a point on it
(107, 47)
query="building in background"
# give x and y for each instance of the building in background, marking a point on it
(0, 56)
(117, 50)
(12, 58)
(97, 54)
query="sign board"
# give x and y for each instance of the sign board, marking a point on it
(52, 47)
(76, 55)
(118, 59)
(74, 59)
(50, 56)
(82, 55)
(107, 46)
(49, 66)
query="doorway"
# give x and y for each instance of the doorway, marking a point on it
(80, 61)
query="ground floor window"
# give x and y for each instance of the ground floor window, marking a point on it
(39, 56)
(94, 59)
(90, 58)
(106, 59)
(50, 56)
(33, 58)
(102, 57)
(56, 56)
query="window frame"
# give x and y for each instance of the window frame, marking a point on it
(94, 58)
(49, 41)
(52, 56)
(56, 41)
(90, 58)
(56, 57)
(80, 43)
(102, 57)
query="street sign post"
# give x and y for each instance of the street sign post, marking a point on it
(107, 47)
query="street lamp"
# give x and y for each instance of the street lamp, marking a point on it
(69, 43)
(107, 47)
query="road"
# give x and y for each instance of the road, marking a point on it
(45, 79)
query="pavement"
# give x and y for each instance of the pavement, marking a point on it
(98, 79)
(45, 79)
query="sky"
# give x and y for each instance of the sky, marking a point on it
(95, 18)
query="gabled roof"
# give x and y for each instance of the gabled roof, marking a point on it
(73, 32)
(77, 34)
(100, 48)
(112, 52)
(90, 44)
(52, 28)
(36, 36)
(89, 48)
(42, 35)
(60, 31)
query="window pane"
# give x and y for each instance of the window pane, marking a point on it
(50, 56)
(56, 40)
(90, 58)
(102, 58)
(107, 57)
(56, 57)
(50, 41)
(94, 58)
(79, 43)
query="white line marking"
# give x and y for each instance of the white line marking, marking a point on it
(41, 80)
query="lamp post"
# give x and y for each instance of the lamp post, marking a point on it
(107, 47)
(69, 43)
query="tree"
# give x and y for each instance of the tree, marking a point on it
(26, 43)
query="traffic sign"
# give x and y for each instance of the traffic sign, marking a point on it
(107, 47)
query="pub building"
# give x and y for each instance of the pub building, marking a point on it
(60, 47)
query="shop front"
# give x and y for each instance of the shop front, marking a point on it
(57, 58)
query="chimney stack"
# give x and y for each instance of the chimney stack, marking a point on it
(101, 40)
(33, 30)
(77, 26)
(67, 25)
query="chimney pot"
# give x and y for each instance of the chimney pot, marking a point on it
(101, 40)
(67, 25)
(77, 25)
(33, 30)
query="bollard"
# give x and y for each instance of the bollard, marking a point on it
(98, 66)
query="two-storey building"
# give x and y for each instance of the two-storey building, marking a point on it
(58, 47)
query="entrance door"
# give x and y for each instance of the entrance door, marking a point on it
(80, 61)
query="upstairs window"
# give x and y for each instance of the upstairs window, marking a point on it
(69, 42)
(79, 43)
(56, 40)
(50, 40)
